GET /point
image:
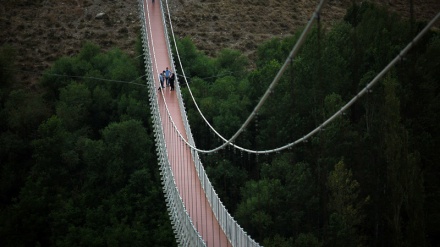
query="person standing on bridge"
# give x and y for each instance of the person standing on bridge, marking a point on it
(161, 79)
(172, 78)
(167, 76)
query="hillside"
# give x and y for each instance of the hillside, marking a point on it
(244, 24)
(43, 30)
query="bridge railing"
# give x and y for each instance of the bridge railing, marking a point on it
(235, 234)
(184, 230)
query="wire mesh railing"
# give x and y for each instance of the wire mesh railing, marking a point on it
(184, 230)
(183, 227)
(235, 234)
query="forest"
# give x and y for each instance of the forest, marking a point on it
(79, 168)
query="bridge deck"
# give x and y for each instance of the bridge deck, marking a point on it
(179, 154)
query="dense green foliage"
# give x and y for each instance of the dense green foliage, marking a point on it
(77, 160)
(370, 178)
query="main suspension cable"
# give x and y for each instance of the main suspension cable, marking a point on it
(293, 53)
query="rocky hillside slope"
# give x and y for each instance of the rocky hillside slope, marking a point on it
(43, 30)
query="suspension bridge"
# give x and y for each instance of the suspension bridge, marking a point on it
(197, 214)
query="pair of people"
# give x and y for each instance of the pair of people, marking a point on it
(168, 77)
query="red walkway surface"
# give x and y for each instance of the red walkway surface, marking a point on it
(179, 154)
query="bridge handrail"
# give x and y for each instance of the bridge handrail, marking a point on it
(235, 234)
(184, 229)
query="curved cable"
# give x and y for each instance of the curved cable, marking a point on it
(277, 78)
(294, 51)
(80, 77)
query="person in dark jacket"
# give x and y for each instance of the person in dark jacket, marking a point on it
(172, 78)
